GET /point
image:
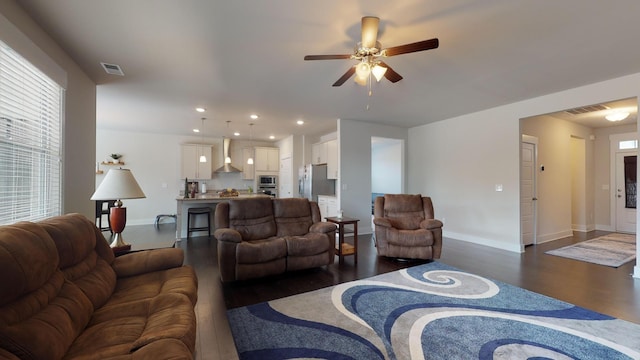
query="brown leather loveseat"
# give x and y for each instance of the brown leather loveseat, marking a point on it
(264, 236)
(64, 295)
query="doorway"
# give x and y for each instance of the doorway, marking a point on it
(528, 199)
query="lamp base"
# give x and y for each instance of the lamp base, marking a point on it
(118, 242)
(118, 220)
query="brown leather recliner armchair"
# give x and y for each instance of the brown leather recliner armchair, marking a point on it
(405, 227)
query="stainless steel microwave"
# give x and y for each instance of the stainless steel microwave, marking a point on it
(267, 180)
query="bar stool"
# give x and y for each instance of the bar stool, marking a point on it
(195, 212)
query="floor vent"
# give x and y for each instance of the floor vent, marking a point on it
(587, 109)
(112, 69)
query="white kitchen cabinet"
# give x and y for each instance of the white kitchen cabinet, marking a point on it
(328, 206)
(332, 159)
(319, 153)
(192, 168)
(247, 169)
(267, 159)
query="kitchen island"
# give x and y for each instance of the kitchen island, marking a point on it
(209, 199)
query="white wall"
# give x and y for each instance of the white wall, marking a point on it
(460, 160)
(154, 160)
(386, 168)
(80, 104)
(354, 186)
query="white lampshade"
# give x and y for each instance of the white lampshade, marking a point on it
(118, 184)
(378, 72)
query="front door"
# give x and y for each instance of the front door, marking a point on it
(625, 192)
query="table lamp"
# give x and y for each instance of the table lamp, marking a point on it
(118, 184)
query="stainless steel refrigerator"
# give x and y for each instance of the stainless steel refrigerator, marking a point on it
(312, 181)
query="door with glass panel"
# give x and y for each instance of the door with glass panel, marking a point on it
(626, 192)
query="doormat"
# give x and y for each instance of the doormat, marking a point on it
(610, 250)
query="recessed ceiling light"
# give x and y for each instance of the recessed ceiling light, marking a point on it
(196, 130)
(253, 116)
(272, 137)
(201, 109)
(236, 133)
(617, 116)
(299, 122)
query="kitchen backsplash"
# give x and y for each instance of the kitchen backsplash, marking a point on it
(224, 181)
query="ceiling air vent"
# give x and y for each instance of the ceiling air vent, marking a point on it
(112, 69)
(586, 109)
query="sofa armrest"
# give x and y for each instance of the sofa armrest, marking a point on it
(322, 227)
(379, 221)
(228, 235)
(430, 224)
(142, 262)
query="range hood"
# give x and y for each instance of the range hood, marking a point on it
(226, 168)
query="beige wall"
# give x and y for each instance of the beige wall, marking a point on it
(564, 201)
(80, 103)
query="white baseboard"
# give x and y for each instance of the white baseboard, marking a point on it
(554, 236)
(516, 247)
(602, 227)
(583, 227)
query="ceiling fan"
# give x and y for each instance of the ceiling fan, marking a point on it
(369, 51)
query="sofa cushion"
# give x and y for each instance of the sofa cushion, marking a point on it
(261, 251)
(85, 255)
(404, 211)
(119, 330)
(310, 244)
(180, 280)
(292, 216)
(40, 312)
(252, 218)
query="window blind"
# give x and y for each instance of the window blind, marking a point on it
(30, 141)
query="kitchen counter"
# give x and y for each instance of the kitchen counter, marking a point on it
(208, 199)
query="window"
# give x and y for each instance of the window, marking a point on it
(30, 141)
(628, 144)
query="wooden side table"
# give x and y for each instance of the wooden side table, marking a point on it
(344, 248)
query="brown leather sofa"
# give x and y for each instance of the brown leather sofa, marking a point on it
(264, 236)
(405, 227)
(64, 295)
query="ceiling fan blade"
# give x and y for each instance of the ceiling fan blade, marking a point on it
(390, 74)
(346, 76)
(326, 57)
(413, 47)
(370, 31)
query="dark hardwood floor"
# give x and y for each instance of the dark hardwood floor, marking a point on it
(612, 291)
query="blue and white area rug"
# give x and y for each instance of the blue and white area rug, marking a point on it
(431, 311)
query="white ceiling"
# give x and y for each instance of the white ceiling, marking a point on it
(241, 57)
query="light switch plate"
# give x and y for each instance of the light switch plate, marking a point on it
(498, 187)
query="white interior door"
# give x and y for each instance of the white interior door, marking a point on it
(286, 174)
(528, 194)
(625, 192)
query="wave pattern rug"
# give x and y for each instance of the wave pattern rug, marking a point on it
(431, 311)
(610, 250)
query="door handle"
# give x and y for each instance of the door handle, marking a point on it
(534, 199)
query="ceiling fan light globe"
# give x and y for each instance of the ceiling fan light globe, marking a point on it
(363, 70)
(378, 72)
(361, 80)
